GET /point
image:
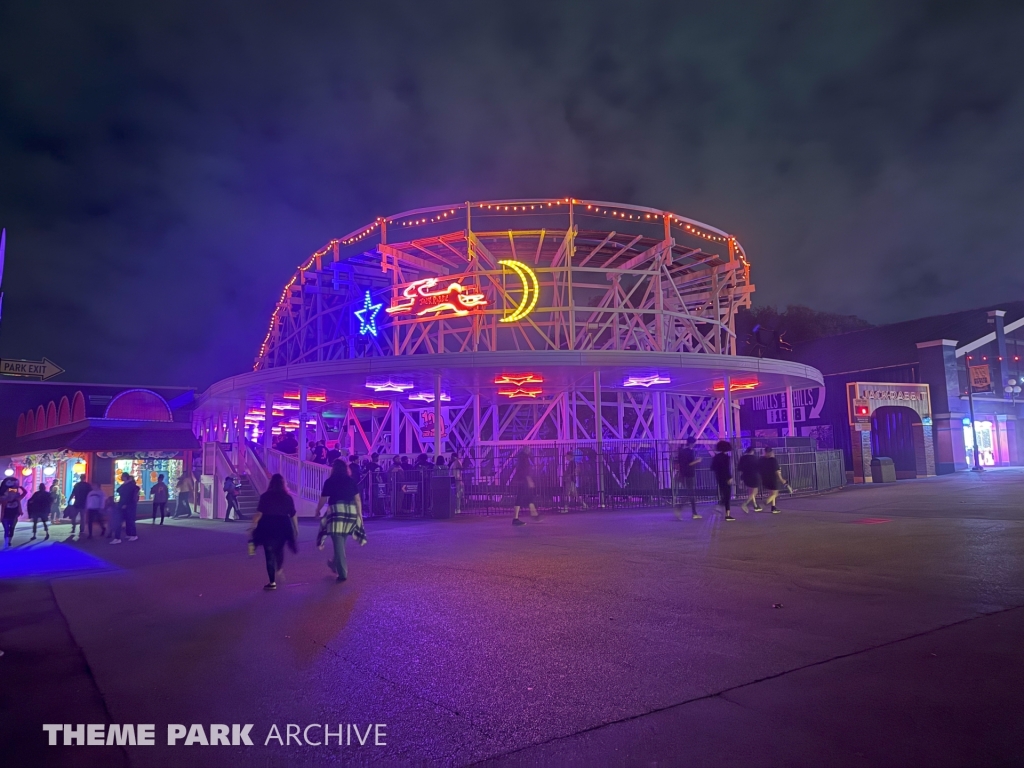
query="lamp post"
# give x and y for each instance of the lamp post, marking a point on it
(974, 430)
(1012, 388)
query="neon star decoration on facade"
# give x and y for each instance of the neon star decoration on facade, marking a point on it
(367, 316)
(719, 386)
(428, 397)
(387, 385)
(519, 378)
(521, 392)
(645, 381)
(423, 297)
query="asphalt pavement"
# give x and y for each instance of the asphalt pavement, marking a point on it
(874, 626)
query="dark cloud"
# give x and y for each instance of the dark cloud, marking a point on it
(164, 166)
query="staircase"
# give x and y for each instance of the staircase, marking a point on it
(248, 498)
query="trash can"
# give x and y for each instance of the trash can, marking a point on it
(883, 470)
(442, 497)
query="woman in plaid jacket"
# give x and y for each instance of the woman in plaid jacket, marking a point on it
(341, 494)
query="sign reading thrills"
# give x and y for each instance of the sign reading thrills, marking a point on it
(424, 297)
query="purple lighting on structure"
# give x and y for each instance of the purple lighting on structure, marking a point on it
(387, 385)
(646, 381)
(428, 397)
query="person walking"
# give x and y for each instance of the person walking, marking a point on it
(94, 503)
(771, 477)
(11, 495)
(570, 484)
(686, 474)
(345, 518)
(127, 506)
(721, 468)
(79, 494)
(231, 494)
(460, 489)
(526, 488)
(183, 489)
(159, 493)
(39, 510)
(274, 526)
(56, 504)
(751, 477)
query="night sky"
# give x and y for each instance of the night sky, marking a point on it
(164, 166)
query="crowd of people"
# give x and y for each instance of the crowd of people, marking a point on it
(90, 507)
(339, 511)
(760, 475)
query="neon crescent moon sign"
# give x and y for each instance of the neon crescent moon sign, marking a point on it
(531, 290)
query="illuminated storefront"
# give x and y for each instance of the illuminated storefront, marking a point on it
(96, 433)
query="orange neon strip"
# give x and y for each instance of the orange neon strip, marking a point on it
(719, 386)
(311, 397)
(369, 404)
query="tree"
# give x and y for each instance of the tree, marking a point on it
(767, 332)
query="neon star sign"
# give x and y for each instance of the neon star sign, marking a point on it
(428, 397)
(424, 297)
(520, 392)
(387, 385)
(719, 386)
(367, 316)
(519, 378)
(645, 381)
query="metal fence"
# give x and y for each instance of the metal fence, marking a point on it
(614, 474)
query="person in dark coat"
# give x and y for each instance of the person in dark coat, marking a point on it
(11, 495)
(526, 488)
(79, 493)
(721, 468)
(275, 527)
(686, 478)
(39, 510)
(771, 477)
(751, 477)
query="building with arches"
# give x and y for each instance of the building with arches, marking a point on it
(58, 432)
(963, 370)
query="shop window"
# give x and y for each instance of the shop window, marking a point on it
(986, 443)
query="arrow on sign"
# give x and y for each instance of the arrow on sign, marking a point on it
(30, 369)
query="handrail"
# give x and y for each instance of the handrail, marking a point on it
(255, 470)
(303, 479)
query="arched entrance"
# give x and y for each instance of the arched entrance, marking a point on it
(893, 420)
(896, 432)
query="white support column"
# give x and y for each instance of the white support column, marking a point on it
(727, 400)
(790, 420)
(599, 436)
(395, 424)
(437, 415)
(268, 423)
(303, 412)
(476, 418)
(243, 408)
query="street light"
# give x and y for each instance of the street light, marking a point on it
(1012, 388)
